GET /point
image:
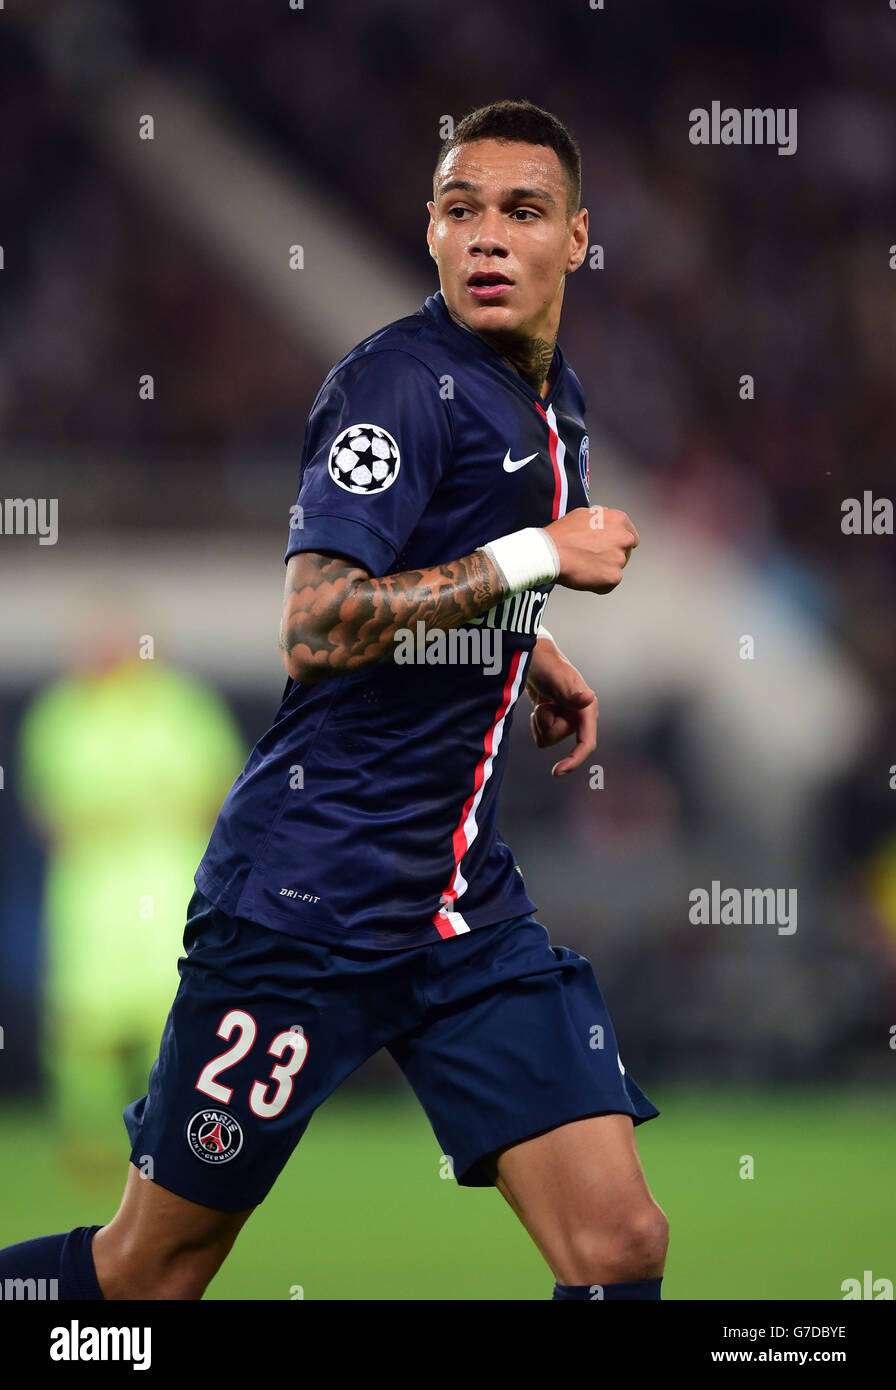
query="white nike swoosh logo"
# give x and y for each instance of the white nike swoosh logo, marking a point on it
(511, 465)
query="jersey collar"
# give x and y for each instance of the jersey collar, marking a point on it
(436, 307)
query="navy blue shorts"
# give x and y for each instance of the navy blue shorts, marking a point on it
(500, 1034)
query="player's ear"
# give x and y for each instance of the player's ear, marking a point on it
(579, 230)
(431, 228)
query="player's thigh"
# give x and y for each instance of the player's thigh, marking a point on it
(580, 1191)
(159, 1245)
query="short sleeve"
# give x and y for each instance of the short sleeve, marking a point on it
(378, 440)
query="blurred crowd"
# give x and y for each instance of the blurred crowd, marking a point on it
(719, 261)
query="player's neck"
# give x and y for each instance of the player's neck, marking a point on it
(531, 358)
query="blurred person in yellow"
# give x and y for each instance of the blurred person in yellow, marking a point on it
(123, 765)
(881, 881)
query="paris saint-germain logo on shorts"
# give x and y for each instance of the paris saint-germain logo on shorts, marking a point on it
(214, 1136)
(364, 458)
(584, 470)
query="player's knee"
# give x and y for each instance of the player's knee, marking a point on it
(654, 1235)
(634, 1249)
(639, 1249)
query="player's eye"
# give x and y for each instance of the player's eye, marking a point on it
(527, 212)
(457, 208)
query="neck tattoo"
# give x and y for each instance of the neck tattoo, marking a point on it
(531, 358)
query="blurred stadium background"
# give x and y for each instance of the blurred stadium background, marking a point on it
(318, 128)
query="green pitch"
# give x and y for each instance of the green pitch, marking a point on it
(361, 1211)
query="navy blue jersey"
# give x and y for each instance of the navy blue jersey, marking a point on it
(366, 815)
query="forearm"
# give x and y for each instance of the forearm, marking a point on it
(338, 618)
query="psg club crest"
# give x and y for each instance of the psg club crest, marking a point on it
(584, 471)
(364, 458)
(214, 1136)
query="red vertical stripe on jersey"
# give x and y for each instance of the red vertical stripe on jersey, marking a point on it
(558, 482)
(460, 840)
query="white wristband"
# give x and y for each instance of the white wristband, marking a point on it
(543, 632)
(524, 558)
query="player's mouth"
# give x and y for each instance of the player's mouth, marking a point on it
(486, 285)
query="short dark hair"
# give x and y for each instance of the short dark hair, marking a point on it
(523, 121)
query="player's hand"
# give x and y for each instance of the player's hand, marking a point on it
(594, 545)
(564, 705)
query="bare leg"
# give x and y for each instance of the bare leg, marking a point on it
(160, 1246)
(581, 1193)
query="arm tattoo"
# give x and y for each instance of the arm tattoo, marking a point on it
(337, 618)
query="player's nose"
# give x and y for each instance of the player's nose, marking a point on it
(490, 236)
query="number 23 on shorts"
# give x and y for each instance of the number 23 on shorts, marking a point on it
(281, 1075)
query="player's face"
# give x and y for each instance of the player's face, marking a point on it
(500, 210)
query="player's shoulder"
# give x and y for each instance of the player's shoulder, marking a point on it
(415, 336)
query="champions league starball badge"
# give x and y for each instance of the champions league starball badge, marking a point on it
(214, 1136)
(364, 458)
